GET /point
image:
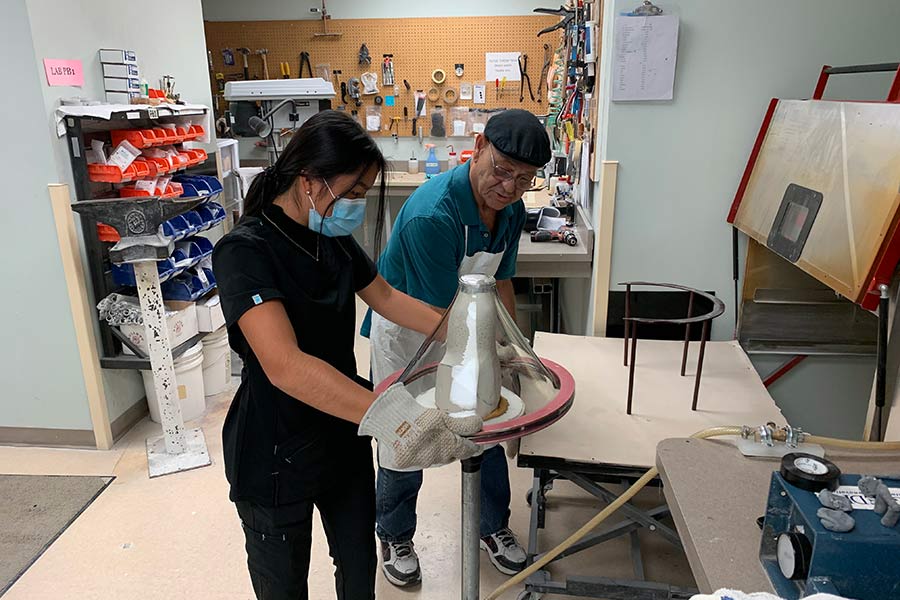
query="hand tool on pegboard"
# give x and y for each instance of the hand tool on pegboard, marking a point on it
(262, 54)
(285, 70)
(567, 14)
(542, 83)
(246, 53)
(304, 60)
(523, 78)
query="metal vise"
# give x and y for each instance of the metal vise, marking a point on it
(138, 221)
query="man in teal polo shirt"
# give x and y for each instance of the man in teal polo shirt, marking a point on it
(467, 220)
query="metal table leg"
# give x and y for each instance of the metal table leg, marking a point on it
(471, 527)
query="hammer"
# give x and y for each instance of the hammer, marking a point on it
(246, 53)
(262, 53)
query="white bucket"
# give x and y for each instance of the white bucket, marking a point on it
(216, 362)
(188, 385)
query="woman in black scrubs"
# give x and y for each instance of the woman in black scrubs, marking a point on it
(288, 275)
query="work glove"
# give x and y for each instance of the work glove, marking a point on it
(415, 436)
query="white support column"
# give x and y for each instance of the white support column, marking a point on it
(154, 313)
(176, 450)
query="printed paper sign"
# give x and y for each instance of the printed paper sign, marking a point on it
(646, 49)
(858, 500)
(64, 72)
(498, 65)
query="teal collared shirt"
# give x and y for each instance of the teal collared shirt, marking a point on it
(427, 242)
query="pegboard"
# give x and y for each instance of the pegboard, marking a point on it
(419, 46)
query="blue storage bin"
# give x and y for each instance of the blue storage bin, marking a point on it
(124, 274)
(178, 228)
(204, 186)
(191, 251)
(212, 213)
(195, 221)
(187, 286)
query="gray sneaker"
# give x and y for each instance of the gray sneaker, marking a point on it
(400, 563)
(505, 552)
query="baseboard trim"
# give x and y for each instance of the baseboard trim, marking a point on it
(36, 436)
(129, 419)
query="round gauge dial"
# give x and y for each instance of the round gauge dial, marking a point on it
(793, 553)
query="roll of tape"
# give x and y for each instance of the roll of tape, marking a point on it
(434, 95)
(450, 96)
(809, 472)
(439, 76)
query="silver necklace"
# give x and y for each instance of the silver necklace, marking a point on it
(291, 240)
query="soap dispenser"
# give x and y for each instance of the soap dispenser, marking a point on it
(432, 166)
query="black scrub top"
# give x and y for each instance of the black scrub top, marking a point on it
(277, 449)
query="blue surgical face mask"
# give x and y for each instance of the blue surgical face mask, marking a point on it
(348, 214)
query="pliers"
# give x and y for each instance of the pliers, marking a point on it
(285, 70)
(566, 13)
(304, 60)
(542, 84)
(523, 77)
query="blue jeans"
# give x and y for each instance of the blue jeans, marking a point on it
(396, 493)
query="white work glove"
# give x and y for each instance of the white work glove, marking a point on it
(415, 436)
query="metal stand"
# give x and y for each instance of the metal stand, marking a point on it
(471, 527)
(138, 220)
(591, 478)
(631, 323)
(173, 451)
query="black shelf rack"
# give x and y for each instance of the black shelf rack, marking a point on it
(80, 130)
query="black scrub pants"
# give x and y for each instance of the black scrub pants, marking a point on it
(279, 539)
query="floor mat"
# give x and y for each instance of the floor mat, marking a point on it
(34, 511)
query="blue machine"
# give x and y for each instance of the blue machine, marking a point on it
(801, 557)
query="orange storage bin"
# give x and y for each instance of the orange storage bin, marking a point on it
(107, 233)
(195, 132)
(151, 167)
(130, 191)
(167, 136)
(111, 173)
(173, 190)
(198, 155)
(163, 165)
(139, 138)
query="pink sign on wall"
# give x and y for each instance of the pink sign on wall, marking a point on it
(64, 72)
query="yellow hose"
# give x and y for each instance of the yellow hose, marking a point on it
(647, 478)
(851, 445)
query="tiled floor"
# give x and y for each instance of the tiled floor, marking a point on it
(178, 536)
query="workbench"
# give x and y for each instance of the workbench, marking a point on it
(715, 495)
(597, 443)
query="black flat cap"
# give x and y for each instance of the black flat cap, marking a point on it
(519, 135)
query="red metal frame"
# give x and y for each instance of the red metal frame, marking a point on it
(821, 83)
(889, 254)
(754, 154)
(783, 370)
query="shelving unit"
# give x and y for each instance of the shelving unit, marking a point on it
(81, 129)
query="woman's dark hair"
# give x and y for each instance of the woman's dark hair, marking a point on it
(329, 144)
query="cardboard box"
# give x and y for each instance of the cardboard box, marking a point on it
(121, 97)
(114, 70)
(116, 56)
(209, 314)
(181, 319)
(117, 84)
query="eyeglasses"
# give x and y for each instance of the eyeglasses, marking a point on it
(522, 182)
